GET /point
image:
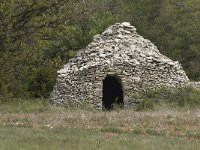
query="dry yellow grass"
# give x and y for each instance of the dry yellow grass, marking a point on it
(172, 123)
(36, 125)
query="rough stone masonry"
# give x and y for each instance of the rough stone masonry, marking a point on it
(119, 52)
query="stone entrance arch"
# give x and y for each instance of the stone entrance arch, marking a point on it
(112, 92)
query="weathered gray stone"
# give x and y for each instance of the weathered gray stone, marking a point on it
(195, 85)
(118, 50)
(126, 24)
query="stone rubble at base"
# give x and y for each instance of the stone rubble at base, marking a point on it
(195, 85)
(118, 50)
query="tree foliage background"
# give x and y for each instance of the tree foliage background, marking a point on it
(38, 36)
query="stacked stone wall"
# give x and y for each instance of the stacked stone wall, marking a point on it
(118, 50)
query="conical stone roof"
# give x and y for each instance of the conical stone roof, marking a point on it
(119, 51)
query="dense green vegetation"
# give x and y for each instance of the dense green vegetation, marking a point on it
(37, 37)
(172, 98)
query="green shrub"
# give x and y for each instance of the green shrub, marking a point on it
(146, 104)
(42, 81)
(4, 94)
(171, 97)
(186, 96)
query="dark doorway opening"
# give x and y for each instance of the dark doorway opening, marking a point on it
(112, 93)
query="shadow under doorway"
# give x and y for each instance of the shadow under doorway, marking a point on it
(112, 93)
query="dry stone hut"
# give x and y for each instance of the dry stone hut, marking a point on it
(114, 67)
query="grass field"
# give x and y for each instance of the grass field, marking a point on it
(31, 125)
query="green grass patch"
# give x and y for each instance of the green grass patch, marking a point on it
(112, 130)
(33, 124)
(155, 132)
(19, 105)
(184, 97)
(82, 139)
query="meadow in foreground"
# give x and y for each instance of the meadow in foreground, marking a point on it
(34, 124)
